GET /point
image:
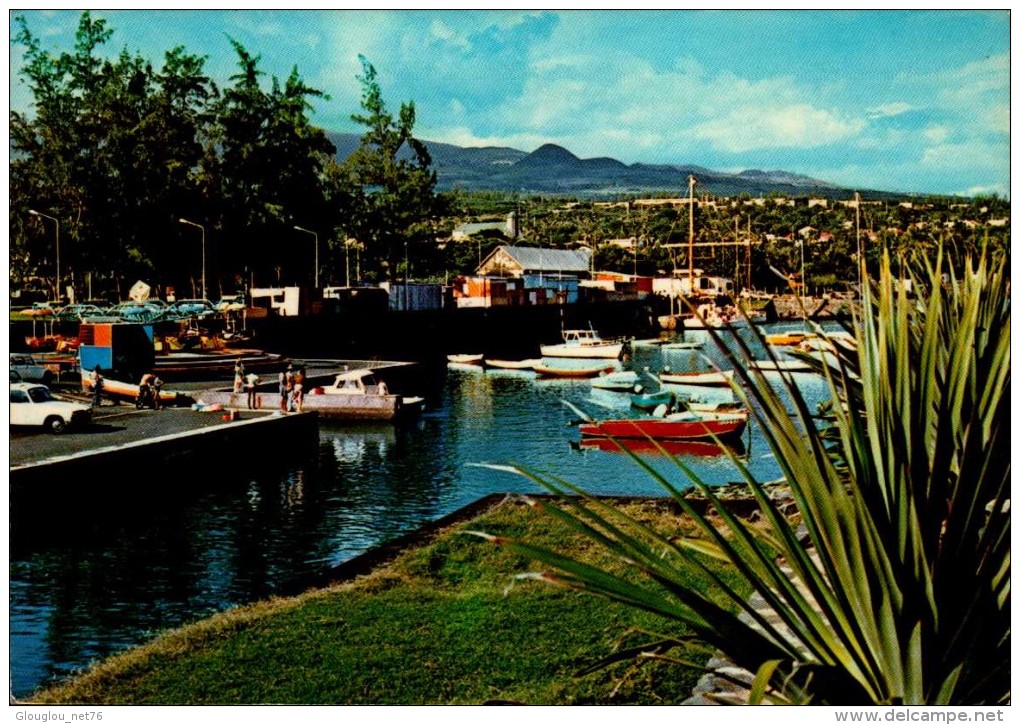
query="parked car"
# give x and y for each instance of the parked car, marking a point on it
(184, 309)
(15, 377)
(34, 405)
(29, 370)
(231, 303)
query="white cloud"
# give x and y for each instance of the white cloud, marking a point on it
(985, 190)
(888, 110)
(802, 126)
(441, 31)
(971, 154)
(936, 134)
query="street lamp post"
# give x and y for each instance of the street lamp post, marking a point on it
(56, 221)
(202, 228)
(347, 260)
(316, 238)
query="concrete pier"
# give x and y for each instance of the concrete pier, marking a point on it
(123, 439)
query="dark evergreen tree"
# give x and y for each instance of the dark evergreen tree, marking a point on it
(392, 170)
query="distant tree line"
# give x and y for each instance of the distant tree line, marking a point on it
(119, 151)
(777, 232)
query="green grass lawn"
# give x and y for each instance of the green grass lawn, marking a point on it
(445, 623)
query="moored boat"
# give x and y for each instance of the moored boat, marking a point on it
(621, 380)
(712, 377)
(584, 344)
(651, 400)
(685, 345)
(354, 395)
(466, 358)
(688, 425)
(791, 338)
(512, 364)
(556, 371)
(792, 366)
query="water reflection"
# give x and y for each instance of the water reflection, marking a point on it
(644, 446)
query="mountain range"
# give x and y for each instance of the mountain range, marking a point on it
(552, 169)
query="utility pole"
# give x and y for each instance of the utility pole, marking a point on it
(690, 235)
(860, 252)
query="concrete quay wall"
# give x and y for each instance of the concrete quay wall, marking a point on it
(187, 452)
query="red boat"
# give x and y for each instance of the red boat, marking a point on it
(582, 371)
(678, 426)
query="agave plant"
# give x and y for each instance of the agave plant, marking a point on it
(890, 584)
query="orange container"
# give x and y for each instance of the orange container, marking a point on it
(103, 335)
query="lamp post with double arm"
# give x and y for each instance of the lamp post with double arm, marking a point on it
(316, 238)
(56, 221)
(202, 228)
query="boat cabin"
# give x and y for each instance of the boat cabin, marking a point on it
(358, 382)
(581, 337)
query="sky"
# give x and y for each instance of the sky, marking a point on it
(911, 101)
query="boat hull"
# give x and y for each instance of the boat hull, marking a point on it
(126, 391)
(512, 364)
(721, 427)
(466, 359)
(622, 381)
(651, 401)
(550, 371)
(330, 406)
(602, 351)
(716, 378)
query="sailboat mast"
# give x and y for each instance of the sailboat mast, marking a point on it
(690, 235)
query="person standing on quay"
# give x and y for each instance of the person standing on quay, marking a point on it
(298, 396)
(286, 387)
(250, 382)
(97, 387)
(157, 388)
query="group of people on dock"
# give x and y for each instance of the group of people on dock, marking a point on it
(149, 388)
(292, 390)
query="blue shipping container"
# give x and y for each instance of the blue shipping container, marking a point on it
(91, 355)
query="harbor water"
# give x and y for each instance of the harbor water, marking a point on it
(148, 550)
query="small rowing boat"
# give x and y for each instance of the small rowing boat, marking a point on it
(466, 359)
(512, 364)
(712, 377)
(555, 371)
(620, 380)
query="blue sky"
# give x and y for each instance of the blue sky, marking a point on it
(900, 101)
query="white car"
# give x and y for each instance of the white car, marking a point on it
(35, 405)
(29, 370)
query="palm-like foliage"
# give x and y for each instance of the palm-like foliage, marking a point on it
(899, 592)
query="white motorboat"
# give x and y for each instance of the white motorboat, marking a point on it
(584, 344)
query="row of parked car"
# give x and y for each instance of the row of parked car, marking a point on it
(153, 310)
